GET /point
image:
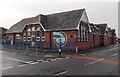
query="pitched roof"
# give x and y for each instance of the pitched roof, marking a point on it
(102, 28)
(19, 27)
(57, 21)
(2, 30)
(112, 32)
(94, 27)
(64, 20)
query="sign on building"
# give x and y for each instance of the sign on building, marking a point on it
(18, 36)
(56, 35)
(60, 40)
(59, 37)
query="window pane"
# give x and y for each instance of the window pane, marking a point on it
(38, 29)
(28, 29)
(38, 33)
(33, 28)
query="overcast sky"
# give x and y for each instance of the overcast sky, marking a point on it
(99, 11)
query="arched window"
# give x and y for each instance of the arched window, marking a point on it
(38, 29)
(28, 29)
(33, 29)
(38, 34)
(24, 34)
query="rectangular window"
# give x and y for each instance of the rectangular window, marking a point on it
(87, 35)
(24, 38)
(84, 34)
(38, 34)
(24, 33)
(43, 38)
(81, 33)
(28, 33)
(38, 38)
(28, 39)
(33, 29)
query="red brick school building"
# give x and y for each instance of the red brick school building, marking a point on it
(78, 32)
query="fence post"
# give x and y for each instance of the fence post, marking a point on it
(27, 43)
(43, 46)
(51, 46)
(30, 45)
(20, 45)
(36, 47)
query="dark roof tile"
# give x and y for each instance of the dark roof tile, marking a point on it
(102, 28)
(19, 27)
(64, 20)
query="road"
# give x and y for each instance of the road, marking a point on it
(104, 62)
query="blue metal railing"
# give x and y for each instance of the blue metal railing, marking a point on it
(37, 46)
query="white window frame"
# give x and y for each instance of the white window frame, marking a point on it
(81, 32)
(87, 35)
(38, 29)
(43, 38)
(28, 29)
(33, 29)
(24, 38)
(29, 38)
(37, 38)
(84, 34)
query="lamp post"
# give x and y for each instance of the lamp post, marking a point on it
(60, 48)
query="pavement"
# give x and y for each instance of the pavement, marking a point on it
(64, 54)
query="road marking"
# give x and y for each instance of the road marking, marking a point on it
(22, 65)
(34, 63)
(40, 60)
(16, 60)
(61, 73)
(115, 54)
(67, 57)
(94, 61)
(6, 68)
(53, 59)
(20, 60)
(98, 59)
(29, 62)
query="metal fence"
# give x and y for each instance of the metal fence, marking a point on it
(37, 46)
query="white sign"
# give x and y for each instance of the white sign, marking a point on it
(60, 38)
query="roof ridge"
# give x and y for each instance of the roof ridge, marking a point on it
(64, 12)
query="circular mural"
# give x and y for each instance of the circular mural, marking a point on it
(63, 39)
